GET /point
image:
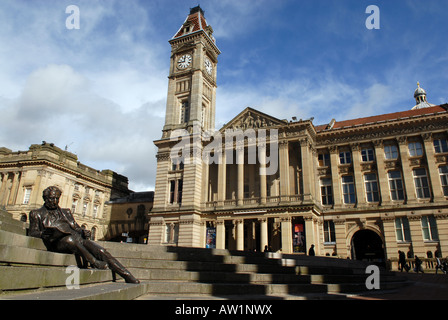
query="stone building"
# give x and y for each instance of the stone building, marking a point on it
(129, 220)
(25, 174)
(362, 188)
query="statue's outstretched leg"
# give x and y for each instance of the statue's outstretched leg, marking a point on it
(102, 254)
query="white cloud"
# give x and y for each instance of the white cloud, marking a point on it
(57, 105)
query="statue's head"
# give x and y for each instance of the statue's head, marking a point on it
(51, 197)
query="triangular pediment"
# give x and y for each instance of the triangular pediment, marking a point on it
(250, 118)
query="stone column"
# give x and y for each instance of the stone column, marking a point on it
(284, 170)
(3, 188)
(434, 177)
(358, 175)
(442, 229)
(408, 178)
(156, 231)
(36, 194)
(240, 164)
(206, 175)
(190, 230)
(222, 176)
(383, 179)
(307, 169)
(335, 178)
(239, 234)
(390, 237)
(14, 189)
(262, 173)
(220, 234)
(415, 226)
(286, 234)
(263, 233)
(309, 234)
(341, 241)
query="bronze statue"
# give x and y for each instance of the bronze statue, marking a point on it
(60, 233)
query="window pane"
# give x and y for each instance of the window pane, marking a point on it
(398, 229)
(433, 227)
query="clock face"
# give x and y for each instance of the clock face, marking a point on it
(184, 61)
(208, 66)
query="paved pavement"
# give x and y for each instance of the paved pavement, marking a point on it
(423, 287)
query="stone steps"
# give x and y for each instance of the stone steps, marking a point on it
(7, 223)
(179, 273)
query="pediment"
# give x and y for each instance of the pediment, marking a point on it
(252, 119)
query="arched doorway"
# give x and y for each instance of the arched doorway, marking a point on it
(367, 246)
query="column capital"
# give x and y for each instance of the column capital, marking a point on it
(427, 136)
(354, 146)
(402, 140)
(378, 143)
(333, 149)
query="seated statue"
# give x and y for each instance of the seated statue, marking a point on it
(60, 233)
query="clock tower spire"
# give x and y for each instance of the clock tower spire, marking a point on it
(192, 77)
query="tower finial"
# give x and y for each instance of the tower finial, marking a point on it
(418, 84)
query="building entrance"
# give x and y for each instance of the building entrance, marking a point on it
(367, 246)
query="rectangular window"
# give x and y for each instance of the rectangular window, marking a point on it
(440, 146)
(326, 191)
(177, 164)
(396, 185)
(84, 209)
(391, 152)
(371, 183)
(95, 210)
(429, 228)
(415, 149)
(329, 232)
(26, 196)
(348, 189)
(421, 183)
(324, 159)
(176, 187)
(185, 112)
(172, 190)
(179, 190)
(443, 171)
(74, 205)
(367, 155)
(345, 157)
(402, 229)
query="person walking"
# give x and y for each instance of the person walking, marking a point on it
(418, 265)
(311, 251)
(402, 261)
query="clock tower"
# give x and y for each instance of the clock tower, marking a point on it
(192, 77)
(179, 190)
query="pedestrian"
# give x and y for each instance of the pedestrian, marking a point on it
(402, 261)
(311, 251)
(418, 265)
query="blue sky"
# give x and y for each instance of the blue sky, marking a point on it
(101, 90)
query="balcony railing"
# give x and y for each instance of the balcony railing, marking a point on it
(255, 201)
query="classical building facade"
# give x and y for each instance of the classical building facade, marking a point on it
(362, 188)
(25, 174)
(129, 220)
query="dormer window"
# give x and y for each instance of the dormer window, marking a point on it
(188, 27)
